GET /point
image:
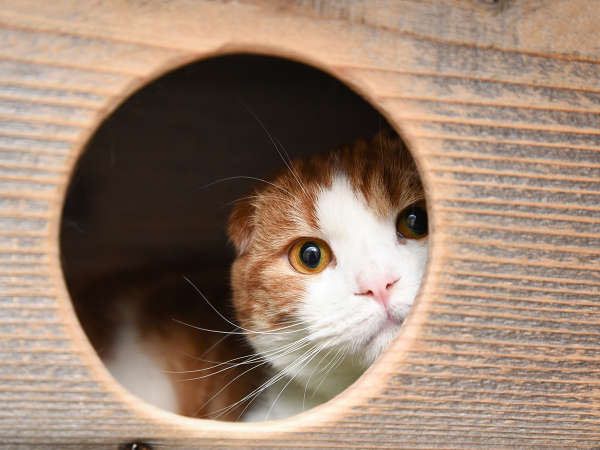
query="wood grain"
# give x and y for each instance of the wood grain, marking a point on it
(500, 104)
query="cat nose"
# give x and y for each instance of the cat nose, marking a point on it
(378, 287)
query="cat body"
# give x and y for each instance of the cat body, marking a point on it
(330, 253)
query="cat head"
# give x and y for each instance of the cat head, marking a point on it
(330, 254)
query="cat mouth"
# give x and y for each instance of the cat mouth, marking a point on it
(389, 326)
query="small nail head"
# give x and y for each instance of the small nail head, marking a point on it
(135, 446)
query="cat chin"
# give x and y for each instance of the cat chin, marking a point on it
(378, 342)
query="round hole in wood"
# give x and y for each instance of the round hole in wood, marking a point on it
(145, 250)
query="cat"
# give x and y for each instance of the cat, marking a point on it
(330, 253)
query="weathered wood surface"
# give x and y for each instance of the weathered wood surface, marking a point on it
(500, 102)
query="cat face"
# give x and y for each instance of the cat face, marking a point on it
(330, 255)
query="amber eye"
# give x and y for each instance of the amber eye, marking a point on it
(412, 221)
(309, 255)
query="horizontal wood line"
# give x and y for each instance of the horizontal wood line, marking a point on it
(11, 251)
(451, 365)
(30, 322)
(345, 429)
(468, 155)
(43, 350)
(79, 365)
(476, 294)
(48, 102)
(450, 101)
(97, 37)
(12, 233)
(41, 151)
(551, 411)
(483, 413)
(542, 231)
(467, 428)
(404, 432)
(42, 400)
(478, 326)
(508, 343)
(25, 283)
(488, 354)
(263, 443)
(519, 277)
(515, 380)
(524, 187)
(41, 85)
(521, 143)
(553, 395)
(24, 263)
(439, 118)
(27, 195)
(23, 272)
(10, 307)
(82, 126)
(53, 391)
(571, 250)
(58, 87)
(18, 214)
(49, 288)
(52, 181)
(519, 203)
(42, 168)
(379, 410)
(496, 430)
(41, 137)
(533, 175)
(441, 298)
(70, 408)
(14, 337)
(493, 49)
(167, 440)
(73, 67)
(520, 262)
(465, 77)
(525, 288)
(435, 310)
(482, 212)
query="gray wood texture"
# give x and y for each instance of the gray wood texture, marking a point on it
(499, 102)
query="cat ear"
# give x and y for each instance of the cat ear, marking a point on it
(240, 226)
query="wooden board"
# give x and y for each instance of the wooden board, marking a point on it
(500, 104)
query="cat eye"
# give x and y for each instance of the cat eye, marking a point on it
(309, 255)
(412, 221)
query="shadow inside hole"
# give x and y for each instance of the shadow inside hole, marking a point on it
(152, 192)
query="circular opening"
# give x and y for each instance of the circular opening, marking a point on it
(177, 185)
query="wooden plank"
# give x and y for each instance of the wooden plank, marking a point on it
(500, 102)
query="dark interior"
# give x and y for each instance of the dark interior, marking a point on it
(146, 193)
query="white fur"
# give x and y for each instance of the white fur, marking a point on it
(135, 366)
(338, 320)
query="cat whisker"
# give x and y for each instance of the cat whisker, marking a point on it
(245, 177)
(287, 162)
(242, 333)
(312, 374)
(231, 361)
(228, 408)
(290, 166)
(259, 390)
(304, 361)
(191, 283)
(338, 358)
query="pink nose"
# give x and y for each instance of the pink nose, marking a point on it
(377, 287)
